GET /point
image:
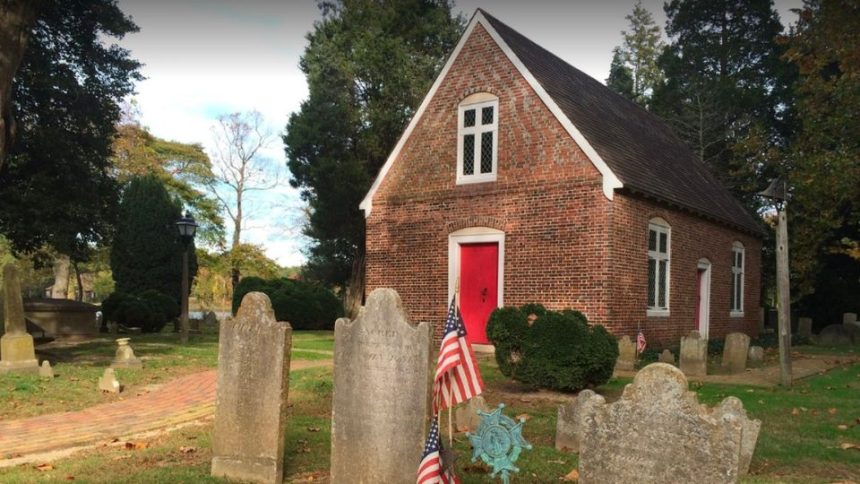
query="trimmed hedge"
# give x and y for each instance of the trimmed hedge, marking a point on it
(150, 310)
(302, 304)
(559, 351)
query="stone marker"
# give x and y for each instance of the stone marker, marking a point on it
(667, 357)
(626, 354)
(735, 351)
(466, 418)
(756, 354)
(849, 318)
(731, 408)
(658, 432)
(381, 394)
(108, 382)
(210, 319)
(694, 355)
(125, 355)
(17, 353)
(569, 425)
(834, 335)
(45, 371)
(804, 327)
(251, 402)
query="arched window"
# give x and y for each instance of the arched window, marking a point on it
(477, 138)
(737, 295)
(659, 247)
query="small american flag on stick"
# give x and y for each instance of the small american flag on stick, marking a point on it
(457, 376)
(640, 343)
(431, 470)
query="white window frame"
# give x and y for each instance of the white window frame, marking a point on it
(737, 278)
(659, 226)
(477, 130)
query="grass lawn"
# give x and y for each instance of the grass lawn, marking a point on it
(800, 440)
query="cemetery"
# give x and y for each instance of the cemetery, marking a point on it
(454, 258)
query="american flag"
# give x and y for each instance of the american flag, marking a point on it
(457, 376)
(640, 343)
(431, 470)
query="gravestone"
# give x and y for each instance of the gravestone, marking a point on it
(626, 354)
(735, 351)
(17, 352)
(466, 418)
(381, 393)
(658, 432)
(849, 318)
(694, 355)
(756, 354)
(210, 319)
(732, 408)
(251, 402)
(125, 357)
(45, 371)
(804, 327)
(834, 335)
(109, 383)
(569, 425)
(667, 357)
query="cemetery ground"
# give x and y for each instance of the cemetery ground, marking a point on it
(810, 433)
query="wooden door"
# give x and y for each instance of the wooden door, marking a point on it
(479, 286)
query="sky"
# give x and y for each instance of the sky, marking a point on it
(205, 58)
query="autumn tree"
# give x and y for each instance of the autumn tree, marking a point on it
(637, 57)
(368, 65)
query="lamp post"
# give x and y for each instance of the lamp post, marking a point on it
(187, 227)
(777, 192)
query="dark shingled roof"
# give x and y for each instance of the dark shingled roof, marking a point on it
(639, 147)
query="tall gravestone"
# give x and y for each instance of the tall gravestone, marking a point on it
(693, 359)
(804, 327)
(381, 390)
(626, 354)
(17, 352)
(251, 402)
(735, 351)
(658, 432)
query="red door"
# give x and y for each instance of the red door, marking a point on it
(479, 284)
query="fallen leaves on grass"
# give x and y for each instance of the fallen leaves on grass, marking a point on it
(847, 446)
(795, 411)
(832, 411)
(136, 445)
(187, 449)
(842, 427)
(571, 476)
(313, 429)
(44, 467)
(523, 416)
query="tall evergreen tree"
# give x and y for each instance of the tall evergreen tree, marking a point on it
(640, 52)
(368, 65)
(620, 77)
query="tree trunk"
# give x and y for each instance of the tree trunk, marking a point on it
(17, 18)
(60, 289)
(235, 273)
(784, 293)
(79, 294)
(355, 289)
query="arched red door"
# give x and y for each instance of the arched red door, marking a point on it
(479, 287)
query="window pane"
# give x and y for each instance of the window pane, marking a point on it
(661, 287)
(487, 152)
(738, 293)
(469, 118)
(469, 154)
(652, 240)
(740, 260)
(487, 115)
(663, 242)
(733, 303)
(652, 279)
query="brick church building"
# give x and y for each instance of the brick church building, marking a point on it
(529, 181)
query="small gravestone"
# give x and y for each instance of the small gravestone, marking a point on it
(735, 351)
(626, 354)
(125, 357)
(108, 382)
(45, 371)
(210, 319)
(17, 352)
(466, 417)
(658, 432)
(849, 318)
(694, 355)
(756, 354)
(804, 327)
(731, 408)
(667, 357)
(251, 403)
(834, 335)
(381, 393)
(569, 426)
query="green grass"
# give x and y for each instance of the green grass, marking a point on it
(313, 340)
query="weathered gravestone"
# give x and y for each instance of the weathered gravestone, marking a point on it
(125, 357)
(569, 425)
(667, 357)
(626, 354)
(658, 432)
(804, 327)
(849, 318)
(381, 390)
(17, 352)
(251, 403)
(466, 418)
(756, 354)
(45, 371)
(108, 382)
(735, 351)
(694, 355)
(835, 335)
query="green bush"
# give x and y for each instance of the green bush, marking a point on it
(163, 304)
(111, 304)
(302, 304)
(560, 350)
(150, 311)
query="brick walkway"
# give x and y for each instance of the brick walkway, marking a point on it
(182, 400)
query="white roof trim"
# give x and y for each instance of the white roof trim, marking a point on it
(610, 181)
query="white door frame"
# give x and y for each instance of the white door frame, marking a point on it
(704, 308)
(474, 235)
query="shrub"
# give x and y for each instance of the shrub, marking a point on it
(560, 350)
(302, 304)
(111, 304)
(163, 304)
(150, 311)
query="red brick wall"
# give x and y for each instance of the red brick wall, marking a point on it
(692, 238)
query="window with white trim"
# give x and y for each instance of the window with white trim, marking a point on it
(477, 139)
(737, 295)
(659, 246)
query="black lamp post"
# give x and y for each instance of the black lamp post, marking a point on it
(187, 228)
(777, 191)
